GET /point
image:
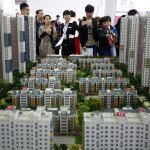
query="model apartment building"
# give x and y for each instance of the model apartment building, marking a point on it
(76, 57)
(146, 55)
(49, 98)
(26, 130)
(61, 66)
(134, 44)
(91, 86)
(64, 120)
(114, 98)
(18, 43)
(32, 39)
(104, 73)
(5, 49)
(49, 60)
(123, 53)
(41, 83)
(117, 130)
(97, 66)
(86, 62)
(68, 75)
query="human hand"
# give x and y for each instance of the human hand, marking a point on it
(108, 35)
(109, 27)
(84, 23)
(89, 23)
(84, 48)
(48, 31)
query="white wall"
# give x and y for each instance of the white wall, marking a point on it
(123, 6)
(56, 7)
(110, 9)
(8, 6)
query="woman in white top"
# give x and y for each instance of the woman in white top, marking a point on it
(68, 30)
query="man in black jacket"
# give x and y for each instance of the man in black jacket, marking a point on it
(88, 30)
(104, 34)
(38, 22)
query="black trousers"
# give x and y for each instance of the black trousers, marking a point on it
(38, 42)
(68, 47)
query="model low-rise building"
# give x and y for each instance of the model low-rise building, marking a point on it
(64, 120)
(49, 98)
(61, 66)
(68, 75)
(53, 60)
(41, 83)
(104, 73)
(86, 62)
(91, 86)
(97, 66)
(117, 97)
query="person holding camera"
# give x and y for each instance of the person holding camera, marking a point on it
(88, 30)
(47, 34)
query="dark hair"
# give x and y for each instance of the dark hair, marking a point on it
(53, 21)
(57, 16)
(46, 16)
(103, 19)
(119, 21)
(37, 12)
(23, 5)
(97, 18)
(84, 18)
(66, 12)
(72, 13)
(132, 12)
(89, 8)
(109, 18)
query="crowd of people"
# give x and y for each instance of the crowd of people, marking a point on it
(76, 35)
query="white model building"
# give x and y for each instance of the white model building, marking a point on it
(26, 129)
(32, 39)
(5, 49)
(133, 32)
(116, 130)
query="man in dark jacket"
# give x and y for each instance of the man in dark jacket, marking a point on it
(39, 19)
(104, 35)
(24, 8)
(58, 26)
(88, 30)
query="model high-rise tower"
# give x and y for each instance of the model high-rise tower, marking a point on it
(146, 54)
(32, 39)
(5, 48)
(18, 43)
